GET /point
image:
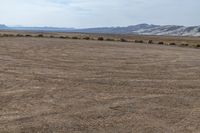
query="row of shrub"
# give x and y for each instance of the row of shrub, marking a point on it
(7, 35)
(62, 37)
(182, 44)
(100, 39)
(171, 43)
(20, 35)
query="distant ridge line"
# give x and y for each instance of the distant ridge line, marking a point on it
(141, 29)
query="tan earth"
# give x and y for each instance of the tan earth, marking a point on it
(76, 86)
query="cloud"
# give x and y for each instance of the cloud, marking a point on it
(95, 13)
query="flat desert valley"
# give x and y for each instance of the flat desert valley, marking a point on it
(53, 85)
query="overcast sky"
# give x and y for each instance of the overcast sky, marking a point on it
(98, 13)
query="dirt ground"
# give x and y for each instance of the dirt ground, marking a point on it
(63, 86)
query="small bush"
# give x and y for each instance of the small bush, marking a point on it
(161, 43)
(67, 37)
(11, 35)
(7, 35)
(172, 43)
(52, 36)
(62, 37)
(123, 40)
(19, 35)
(138, 41)
(40, 35)
(197, 46)
(86, 38)
(150, 42)
(74, 37)
(184, 44)
(100, 38)
(109, 39)
(28, 35)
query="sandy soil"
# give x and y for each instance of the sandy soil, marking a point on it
(63, 86)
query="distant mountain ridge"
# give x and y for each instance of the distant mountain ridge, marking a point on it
(2, 26)
(53, 29)
(141, 29)
(146, 29)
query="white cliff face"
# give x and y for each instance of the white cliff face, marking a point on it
(169, 30)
